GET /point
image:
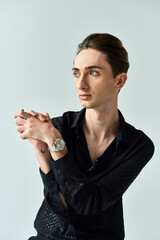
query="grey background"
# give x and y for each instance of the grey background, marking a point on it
(38, 42)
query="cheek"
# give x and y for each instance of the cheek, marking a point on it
(103, 85)
(106, 89)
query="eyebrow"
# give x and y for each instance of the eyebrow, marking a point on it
(89, 67)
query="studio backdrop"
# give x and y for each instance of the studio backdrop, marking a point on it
(38, 43)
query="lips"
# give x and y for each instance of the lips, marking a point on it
(84, 96)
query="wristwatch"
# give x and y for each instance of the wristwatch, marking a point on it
(58, 145)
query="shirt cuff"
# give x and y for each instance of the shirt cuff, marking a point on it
(48, 179)
(66, 166)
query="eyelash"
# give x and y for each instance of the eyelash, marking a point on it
(90, 73)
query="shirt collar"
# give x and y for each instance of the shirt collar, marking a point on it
(78, 117)
(123, 135)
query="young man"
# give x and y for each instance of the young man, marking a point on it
(89, 158)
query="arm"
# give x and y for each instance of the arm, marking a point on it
(91, 198)
(43, 156)
(40, 150)
(39, 130)
(85, 196)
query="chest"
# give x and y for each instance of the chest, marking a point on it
(96, 148)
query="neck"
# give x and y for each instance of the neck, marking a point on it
(101, 123)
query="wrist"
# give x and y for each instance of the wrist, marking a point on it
(52, 137)
(59, 154)
(41, 151)
(39, 145)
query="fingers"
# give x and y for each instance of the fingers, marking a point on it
(48, 117)
(25, 115)
(40, 116)
(22, 114)
(19, 121)
(20, 129)
(33, 113)
(23, 136)
(19, 113)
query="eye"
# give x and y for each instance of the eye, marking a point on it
(76, 74)
(94, 73)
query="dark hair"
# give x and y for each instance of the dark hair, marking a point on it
(116, 54)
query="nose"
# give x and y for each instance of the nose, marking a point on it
(82, 82)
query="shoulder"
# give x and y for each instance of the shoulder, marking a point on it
(139, 140)
(65, 120)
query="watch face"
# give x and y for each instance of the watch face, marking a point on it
(60, 144)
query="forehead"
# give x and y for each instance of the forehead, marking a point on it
(90, 57)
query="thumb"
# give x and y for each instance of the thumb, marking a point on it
(47, 115)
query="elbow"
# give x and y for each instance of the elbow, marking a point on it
(91, 207)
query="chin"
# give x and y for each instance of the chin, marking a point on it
(87, 105)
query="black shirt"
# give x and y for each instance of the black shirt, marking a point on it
(93, 192)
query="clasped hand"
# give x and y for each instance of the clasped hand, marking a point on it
(37, 126)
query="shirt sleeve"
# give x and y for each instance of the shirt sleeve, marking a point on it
(48, 181)
(91, 198)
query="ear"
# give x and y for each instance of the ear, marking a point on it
(120, 80)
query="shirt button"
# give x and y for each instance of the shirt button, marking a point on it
(57, 170)
(90, 168)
